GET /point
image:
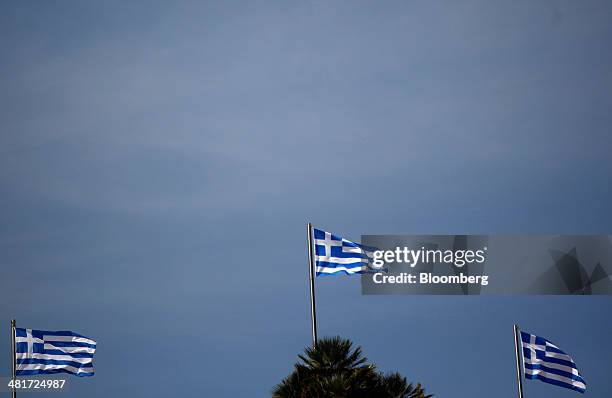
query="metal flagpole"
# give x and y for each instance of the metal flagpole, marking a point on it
(313, 311)
(13, 369)
(517, 345)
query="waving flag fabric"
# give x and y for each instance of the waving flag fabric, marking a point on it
(335, 255)
(542, 360)
(45, 352)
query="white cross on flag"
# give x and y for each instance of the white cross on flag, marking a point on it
(334, 254)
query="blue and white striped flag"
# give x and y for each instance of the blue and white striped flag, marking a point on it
(334, 255)
(44, 352)
(544, 361)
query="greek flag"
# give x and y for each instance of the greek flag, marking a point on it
(334, 255)
(44, 352)
(544, 361)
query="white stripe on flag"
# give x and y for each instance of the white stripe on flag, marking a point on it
(559, 356)
(70, 350)
(72, 339)
(351, 249)
(23, 355)
(341, 260)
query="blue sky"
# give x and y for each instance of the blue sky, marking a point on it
(159, 161)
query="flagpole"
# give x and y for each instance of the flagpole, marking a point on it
(517, 346)
(313, 311)
(13, 369)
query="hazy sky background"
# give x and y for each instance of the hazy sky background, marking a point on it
(159, 161)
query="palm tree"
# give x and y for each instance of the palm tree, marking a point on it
(396, 386)
(336, 369)
(333, 355)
